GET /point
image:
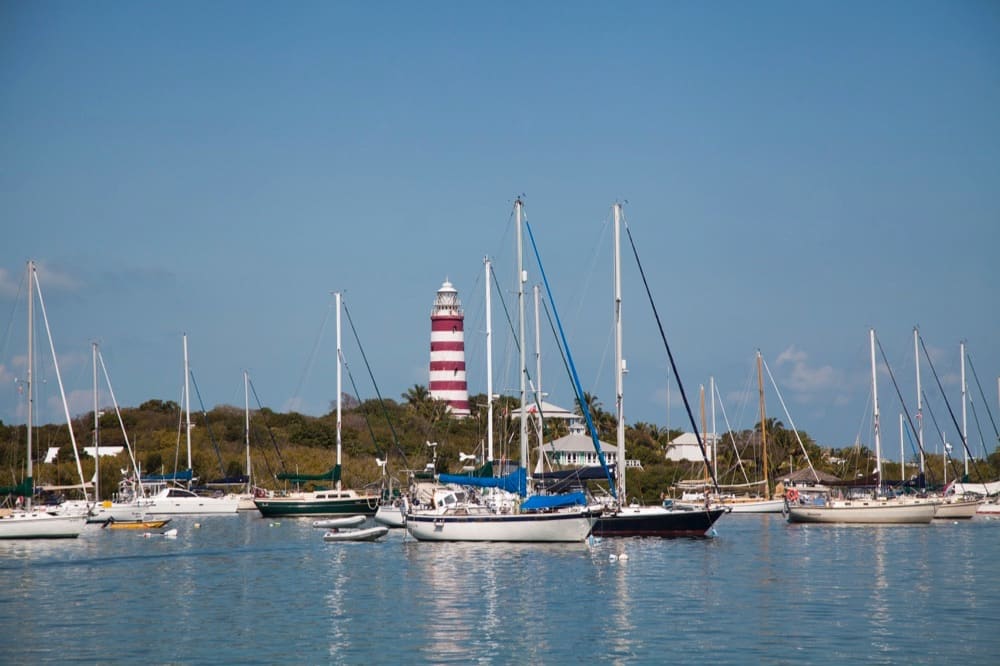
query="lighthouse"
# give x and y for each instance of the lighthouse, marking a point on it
(447, 369)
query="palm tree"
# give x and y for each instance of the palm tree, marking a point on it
(417, 395)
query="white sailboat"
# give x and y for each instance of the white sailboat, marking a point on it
(957, 505)
(173, 500)
(26, 521)
(877, 509)
(452, 516)
(130, 504)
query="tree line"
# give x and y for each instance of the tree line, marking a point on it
(398, 431)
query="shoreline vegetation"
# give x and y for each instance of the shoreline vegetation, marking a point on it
(399, 431)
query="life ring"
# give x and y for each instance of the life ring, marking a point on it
(792, 495)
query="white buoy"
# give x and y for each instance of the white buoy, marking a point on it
(623, 556)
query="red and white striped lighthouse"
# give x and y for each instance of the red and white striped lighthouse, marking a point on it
(447, 370)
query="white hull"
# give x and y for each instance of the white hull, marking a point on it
(864, 512)
(245, 502)
(390, 516)
(119, 511)
(40, 525)
(523, 527)
(991, 508)
(957, 510)
(178, 502)
(754, 506)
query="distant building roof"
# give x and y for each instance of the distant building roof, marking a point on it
(577, 441)
(549, 411)
(805, 475)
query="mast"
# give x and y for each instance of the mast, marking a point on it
(62, 389)
(902, 450)
(522, 277)
(538, 363)
(878, 443)
(337, 295)
(619, 361)
(920, 404)
(489, 364)
(97, 436)
(715, 436)
(31, 362)
(704, 428)
(763, 427)
(246, 425)
(965, 432)
(187, 401)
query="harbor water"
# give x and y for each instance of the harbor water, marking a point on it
(246, 590)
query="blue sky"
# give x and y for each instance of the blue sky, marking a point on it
(794, 173)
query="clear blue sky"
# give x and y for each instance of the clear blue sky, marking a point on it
(794, 173)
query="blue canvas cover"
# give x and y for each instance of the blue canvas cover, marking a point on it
(515, 482)
(553, 501)
(184, 475)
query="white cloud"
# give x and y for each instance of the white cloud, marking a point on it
(811, 383)
(9, 284)
(53, 278)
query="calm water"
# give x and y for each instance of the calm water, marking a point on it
(241, 589)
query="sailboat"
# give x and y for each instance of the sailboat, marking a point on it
(129, 507)
(174, 500)
(27, 521)
(454, 516)
(877, 509)
(756, 504)
(336, 501)
(634, 519)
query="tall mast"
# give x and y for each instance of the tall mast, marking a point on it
(337, 294)
(538, 362)
(522, 277)
(187, 400)
(920, 403)
(704, 426)
(619, 361)
(902, 450)
(715, 436)
(97, 435)
(489, 365)
(965, 432)
(31, 362)
(763, 426)
(246, 425)
(878, 443)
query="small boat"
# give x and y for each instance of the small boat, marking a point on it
(113, 524)
(349, 521)
(365, 534)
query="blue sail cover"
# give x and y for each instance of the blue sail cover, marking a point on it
(553, 501)
(515, 482)
(185, 475)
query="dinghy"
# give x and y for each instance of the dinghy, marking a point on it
(113, 524)
(348, 521)
(366, 534)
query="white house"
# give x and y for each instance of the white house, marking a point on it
(576, 450)
(685, 447)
